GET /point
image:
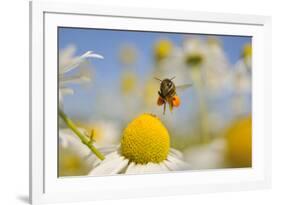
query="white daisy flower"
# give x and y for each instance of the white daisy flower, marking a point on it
(242, 83)
(208, 63)
(128, 54)
(75, 157)
(67, 139)
(144, 148)
(216, 71)
(194, 52)
(105, 132)
(203, 60)
(68, 62)
(207, 156)
(242, 77)
(174, 66)
(243, 70)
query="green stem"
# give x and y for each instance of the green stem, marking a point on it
(203, 114)
(82, 137)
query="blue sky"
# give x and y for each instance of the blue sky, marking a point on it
(108, 43)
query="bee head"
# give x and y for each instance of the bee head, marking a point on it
(167, 83)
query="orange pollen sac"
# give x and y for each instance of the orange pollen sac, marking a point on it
(160, 101)
(176, 101)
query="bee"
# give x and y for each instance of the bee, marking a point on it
(168, 94)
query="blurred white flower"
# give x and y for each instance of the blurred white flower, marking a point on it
(73, 154)
(169, 62)
(212, 78)
(207, 156)
(105, 132)
(71, 144)
(194, 52)
(128, 54)
(173, 66)
(243, 70)
(242, 77)
(242, 86)
(68, 62)
(128, 83)
(208, 63)
(67, 139)
(217, 69)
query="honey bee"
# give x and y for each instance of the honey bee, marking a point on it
(168, 94)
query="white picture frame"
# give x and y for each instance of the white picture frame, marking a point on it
(46, 187)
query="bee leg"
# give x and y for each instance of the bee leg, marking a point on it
(171, 106)
(164, 108)
(160, 101)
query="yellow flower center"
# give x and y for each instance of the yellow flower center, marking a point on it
(194, 59)
(162, 49)
(71, 164)
(247, 51)
(145, 140)
(239, 143)
(128, 83)
(150, 92)
(128, 54)
(213, 41)
(247, 54)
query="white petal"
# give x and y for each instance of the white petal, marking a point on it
(93, 159)
(164, 167)
(71, 141)
(111, 156)
(113, 164)
(139, 169)
(132, 168)
(89, 54)
(171, 166)
(63, 142)
(146, 168)
(175, 164)
(75, 62)
(153, 168)
(74, 79)
(65, 55)
(176, 153)
(69, 65)
(107, 149)
(60, 100)
(110, 132)
(66, 91)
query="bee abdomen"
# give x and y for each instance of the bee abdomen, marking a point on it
(170, 93)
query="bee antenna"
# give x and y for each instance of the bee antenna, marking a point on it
(157, 79)
(173, 78)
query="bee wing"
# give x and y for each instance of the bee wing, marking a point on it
(157, 79)
(183, 87)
